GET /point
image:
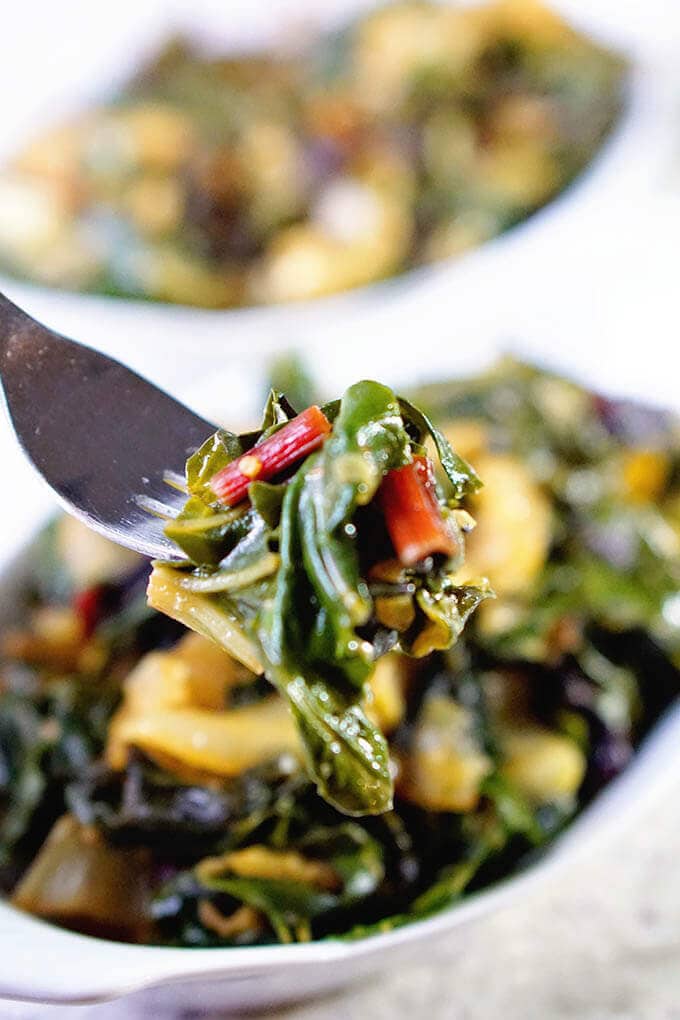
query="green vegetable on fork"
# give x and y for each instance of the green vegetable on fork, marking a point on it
(317, 544)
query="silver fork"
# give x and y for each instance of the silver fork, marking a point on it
(103, 438)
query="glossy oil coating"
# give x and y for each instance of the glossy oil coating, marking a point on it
(100, 435)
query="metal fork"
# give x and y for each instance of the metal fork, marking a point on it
(102, 437)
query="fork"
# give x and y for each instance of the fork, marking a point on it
(104, 439)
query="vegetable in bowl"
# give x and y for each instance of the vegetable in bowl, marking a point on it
(316, 545)
(179, 768)
(414, 134)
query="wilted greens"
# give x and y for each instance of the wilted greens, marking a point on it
(153, 789)
(414, 133)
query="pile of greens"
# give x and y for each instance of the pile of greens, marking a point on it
(288, 571)
(495, 742)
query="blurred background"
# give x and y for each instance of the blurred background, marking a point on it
(326, 219)
(594, 269)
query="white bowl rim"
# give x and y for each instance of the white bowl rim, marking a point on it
(118, 969)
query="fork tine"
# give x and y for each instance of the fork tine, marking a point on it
(98, 433)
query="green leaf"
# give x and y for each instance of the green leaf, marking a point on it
(331, 409)
(289, 906)
(356, 856)
(368, 440)
(513, 810)
(277, 412)
(267, 499)
(346, 753)
(462, 475)
(22, 781)
(215, 453)
(308, 633)
(245, 565)
(205, 535)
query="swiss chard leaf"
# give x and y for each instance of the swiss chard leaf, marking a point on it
(309, 631)
(206, 535)
(145, 804)
(290, 906)
(22, 781)
(215, 453)
(267, 500)
(277, 412)
(295, 580)
(356, 856)
(443, 609)
(346, 753)
(462, 476)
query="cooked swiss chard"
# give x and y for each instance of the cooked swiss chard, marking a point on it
(316, 545)
(152, 787)
(414, 133)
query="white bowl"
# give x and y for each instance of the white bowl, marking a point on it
(177, 345)
(40, 963)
